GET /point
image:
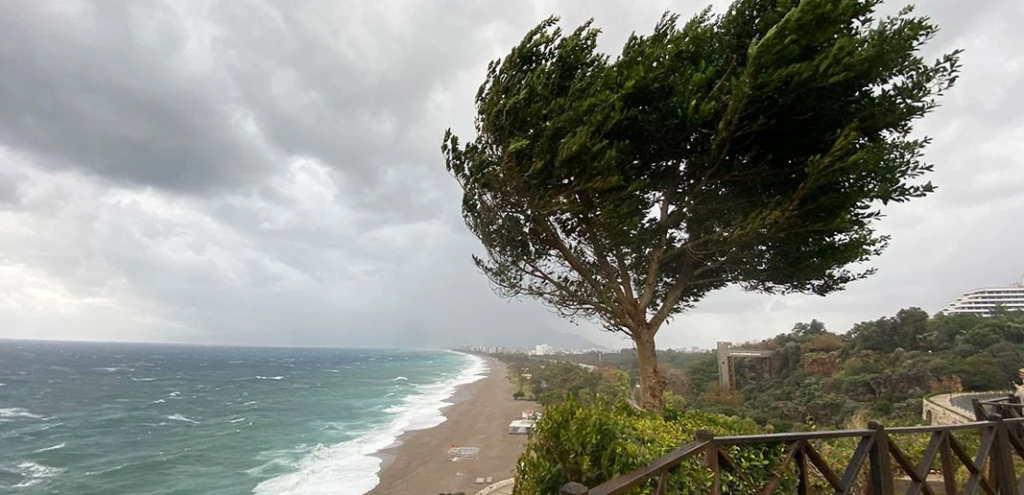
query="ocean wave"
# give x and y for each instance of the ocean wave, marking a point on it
(47, 449)
(273, 466)
(351, 467)
(17, 412)
(35, 474)
(399, 379)
(270, 378)
(142, 379)
(179, 417)
(236, 420)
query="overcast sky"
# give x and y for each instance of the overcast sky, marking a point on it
(269, 173)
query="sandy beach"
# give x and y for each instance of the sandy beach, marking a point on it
(418, 464)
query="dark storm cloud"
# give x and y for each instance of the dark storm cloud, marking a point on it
(104, 88)
(268, 172)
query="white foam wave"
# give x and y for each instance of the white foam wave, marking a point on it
(35, 474)
(350, 468)
(237, 420)
(17, 412)
(178, 417)
(158, 401)
(270, 378)
(399, 379)
(47, 449)
(142, 379)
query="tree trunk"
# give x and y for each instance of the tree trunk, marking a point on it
(652, 382)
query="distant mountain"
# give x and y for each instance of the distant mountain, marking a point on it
(528, 337)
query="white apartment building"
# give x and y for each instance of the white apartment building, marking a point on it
(543, 350)
(985, 301)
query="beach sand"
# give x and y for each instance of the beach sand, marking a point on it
(418, 464)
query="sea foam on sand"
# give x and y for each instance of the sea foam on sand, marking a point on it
(350, 468)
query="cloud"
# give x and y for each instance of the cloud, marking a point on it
(250, 172)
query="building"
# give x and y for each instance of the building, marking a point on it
(543, 350)
(985, 301)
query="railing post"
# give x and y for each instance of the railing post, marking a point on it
(801, 469)
(979, 412)
(948, 470)
(573, 488)
(881, 469)
(711, 459)
(1002, 463)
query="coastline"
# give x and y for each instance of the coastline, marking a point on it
(479, 415)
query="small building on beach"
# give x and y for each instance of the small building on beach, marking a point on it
(521, 427)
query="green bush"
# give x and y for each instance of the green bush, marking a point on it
(592, 444)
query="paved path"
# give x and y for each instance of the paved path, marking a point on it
(503, 487)
(964, 401)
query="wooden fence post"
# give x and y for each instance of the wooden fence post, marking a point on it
(573, 488)
(711, 459)
(801, 469)
(948, 470)
(1002, 463)
(881, 468)
(979, 411)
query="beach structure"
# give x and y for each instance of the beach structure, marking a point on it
(463, 453)
(521, 427)
(987, 300)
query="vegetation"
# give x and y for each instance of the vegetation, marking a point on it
(879, 370)
(592, 444)
(752, 148)
(551, 382)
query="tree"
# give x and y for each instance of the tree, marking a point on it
(754, 148)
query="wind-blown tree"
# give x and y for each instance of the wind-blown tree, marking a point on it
(754, 148)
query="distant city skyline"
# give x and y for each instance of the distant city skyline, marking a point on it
(268, 174)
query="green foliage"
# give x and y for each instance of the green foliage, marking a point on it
(880, 368)
(754, 148)
(591, 445)
(551, 382)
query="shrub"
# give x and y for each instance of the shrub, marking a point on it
(592, 444)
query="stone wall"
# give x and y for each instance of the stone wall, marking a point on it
(940, 410)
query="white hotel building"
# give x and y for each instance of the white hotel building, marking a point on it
(985, 301)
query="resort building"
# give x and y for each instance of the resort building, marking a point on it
(986, 301)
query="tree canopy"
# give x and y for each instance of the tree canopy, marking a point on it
(755, 147)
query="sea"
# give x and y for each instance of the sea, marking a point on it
(101, 418)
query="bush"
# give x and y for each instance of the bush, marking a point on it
(591, 445)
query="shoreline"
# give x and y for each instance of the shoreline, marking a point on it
(417, 462)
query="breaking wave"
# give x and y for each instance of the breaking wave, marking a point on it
(351, 467)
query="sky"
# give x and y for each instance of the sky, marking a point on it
(269, 173)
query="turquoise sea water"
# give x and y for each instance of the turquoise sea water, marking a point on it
(87, 418)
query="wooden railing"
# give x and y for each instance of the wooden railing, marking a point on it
(990, 468)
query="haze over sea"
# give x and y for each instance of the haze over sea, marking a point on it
(101, 418)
